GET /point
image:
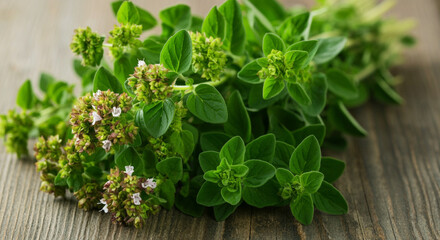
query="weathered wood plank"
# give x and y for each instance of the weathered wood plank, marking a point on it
(392, 179)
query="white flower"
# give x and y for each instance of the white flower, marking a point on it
(96, 117)
(129, 170)
(97, 94)
(136, 198)
(105, 208)
(141, 63)
(149, 183)
(77, 140)
(116, 111)
(106, 144)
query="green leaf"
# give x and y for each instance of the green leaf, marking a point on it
(188, 205)
(232, 198)
(183, 143)
(255, 98)
(331, 168)
(261, 148)
(311, 181)
(239, 123)
(271, 9)
(233, 151)
(149, 161)
(209, 160)
(206, 103)
(151, 49)
(296, 59)
(302, 209)
(295, 27)
(167, 191)
(177, 17)
(264, 196)
(193, 130)
(249, 73)
(25, 97)
(213, 141)
(310, 47)
(45, 81)
(127, 156)
(272, 87)
(171, 167)
(128, 13)
(306, 157)
(75, 181)
(105, 80)
(316, 89)
(284, 176)
(317, 130)
(343, 121)
(272, 41)
(259, 173)
(124, 66)
(210, 195)
(329, 48)
(297, 92)
(221, 212)
(341, 85)
(177, 52)
(94, 172)
(329, 200)
(283, 151)
(214, 24)
(383, 92)
(156, 118)
(235, 36)
(145, 18)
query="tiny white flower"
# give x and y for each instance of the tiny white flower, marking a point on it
(97, 94)
(136, 198)
(96, 117)
(93, 107)
(149, 183)
(105, 208)
(76, 140)
(106, 144)
(129, 170)
(141, 63)
(116, 111)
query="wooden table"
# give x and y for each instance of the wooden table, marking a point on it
(392, 179)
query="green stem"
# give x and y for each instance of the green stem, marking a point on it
(364, 73)
(186, 87)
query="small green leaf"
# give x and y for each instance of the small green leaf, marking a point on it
(249, 73)
(329, 200)
(295, 27)
(310, 47)
(272, 87)
(329, 48)
(209, 160)
(25, 97)
(105, 80)
(156, 118)
(284, 176)
(45, 81)
(259, 173)
(124, 66)
(214, 24)
(176, 17)
(316, 89)
(176, 54)
(272, 9)
(183, 143)
(210, 195)
(128, 13)
(232, 198)
(145, 18)
(239, 123)
(343, 121)
(296, 59)
(317, 130)
(233, 151)
(341, 85)
(261, 148)
(221, 212)
(272, 41)
(264, 196)
(235, 36)
(75, 181)
(311, 181)
(128, 156)
(94, 172)
(206, 103)
(283, 151)
(297, 92)
(213, 141)
(302, 208)
(306, 157)
(331, 168)
(171, 167)
(167, 191)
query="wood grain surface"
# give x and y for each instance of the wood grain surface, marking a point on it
(392, 178)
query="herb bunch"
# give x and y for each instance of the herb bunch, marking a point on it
(213, 112)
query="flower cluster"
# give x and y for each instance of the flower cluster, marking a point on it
(150, 82)
(89, 45)
(16, 127)
(207, 56)
(130, 199)
(99, 121)
(47, 153)
(124, 36)
(160, 148)
(89, 195)
(179, 114)
(275, 66)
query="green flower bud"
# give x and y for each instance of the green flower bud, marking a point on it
(89, 45)
(15, 127)
(275, 67)
(124, 36)
(88, 196)
(208, 56)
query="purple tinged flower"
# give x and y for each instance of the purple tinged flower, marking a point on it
(129, 170)
(116, 111)
(96, 117)
(106, 144)
(136, 198)
(149, 183)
